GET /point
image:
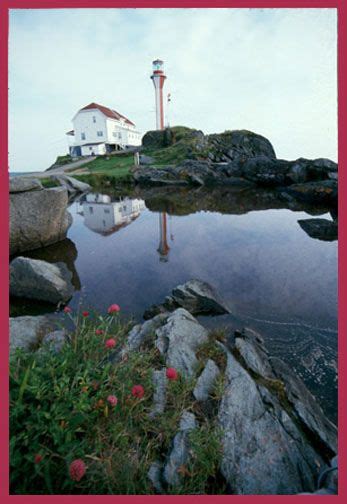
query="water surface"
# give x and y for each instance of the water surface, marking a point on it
(133, 249)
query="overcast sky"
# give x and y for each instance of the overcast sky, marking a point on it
(272, 71)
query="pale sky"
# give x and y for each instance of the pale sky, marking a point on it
(271, 71)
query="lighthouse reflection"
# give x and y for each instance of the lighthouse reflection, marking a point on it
(104, 216)
(163, 248)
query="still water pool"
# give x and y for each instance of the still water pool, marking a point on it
(133, 249)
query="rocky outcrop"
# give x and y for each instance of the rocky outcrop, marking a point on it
(35, 279)
(196, 296)
(178, 339)
(275, 436)
(28, 332)
(321, 229)
(38, 217)
(257, 170)
(235, 158)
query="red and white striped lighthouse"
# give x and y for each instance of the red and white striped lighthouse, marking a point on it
(158, 77)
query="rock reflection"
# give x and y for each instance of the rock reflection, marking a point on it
(184, 201)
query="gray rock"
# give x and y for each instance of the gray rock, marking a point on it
(275, 437)
(154, 474)
(178, 339)
(266, 171)
(180, 452)
(206, 381)
(72, 185)
(321, 229)
(38, 218)
(23, 184)
(55, 340)
(27, 332)
(35, 279)
(146, 160)
(143, 333)
(159, 396)
(196, 296)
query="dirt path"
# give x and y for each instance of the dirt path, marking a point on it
(60, 169)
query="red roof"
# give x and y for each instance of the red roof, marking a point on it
(108, 112)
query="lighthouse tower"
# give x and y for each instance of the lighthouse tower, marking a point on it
(158, 77)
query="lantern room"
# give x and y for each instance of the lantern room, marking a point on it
(158, 66)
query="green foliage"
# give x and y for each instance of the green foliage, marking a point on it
(211, 350)
(49, 182)
(59, 410)
(63, 160)
(201, 473)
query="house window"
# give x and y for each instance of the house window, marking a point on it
(90, 148)
(106, 210)
(94, 119)
(91, 210)
(119, 135)
(100, 133)
(83, 136)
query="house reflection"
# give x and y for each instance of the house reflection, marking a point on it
(104, 216)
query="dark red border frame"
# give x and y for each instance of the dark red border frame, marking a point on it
(5, 5)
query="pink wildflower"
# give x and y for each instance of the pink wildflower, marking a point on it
(99, 331)
(67, 309)
(77, 470)
(138, 391)
(110, 343)
(171, 374)
(114, 308)
(85, 313)
(112, 399)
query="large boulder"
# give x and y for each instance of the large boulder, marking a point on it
(38, 218)
(196, 296)
(23, 184)
(35, 279)
(28, 332)
(275, 436)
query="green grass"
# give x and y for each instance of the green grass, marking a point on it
(107, 170)
(59, 409)
(49, 182)
(116, 165)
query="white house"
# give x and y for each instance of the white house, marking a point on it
(99, 130)
(104, 216)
